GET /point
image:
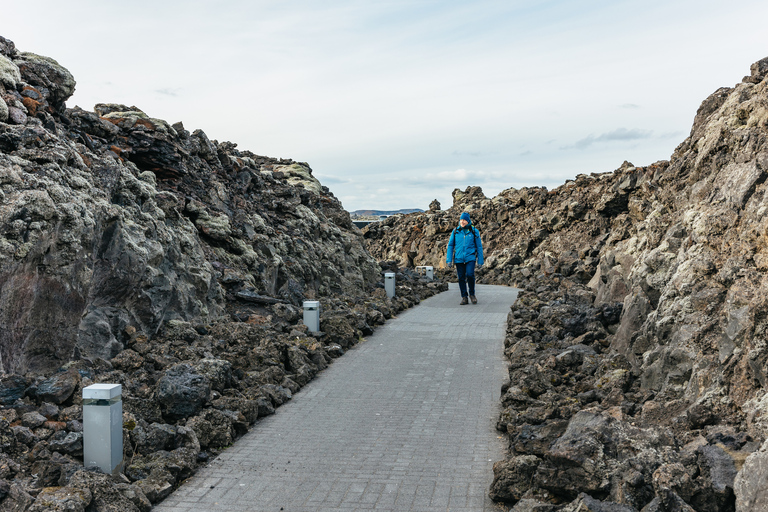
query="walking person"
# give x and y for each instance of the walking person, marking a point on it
(465, 249)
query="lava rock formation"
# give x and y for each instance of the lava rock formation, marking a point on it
(637, 347)
(135, 252)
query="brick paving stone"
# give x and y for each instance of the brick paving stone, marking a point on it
(405, 421)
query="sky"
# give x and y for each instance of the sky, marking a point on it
(396, 103)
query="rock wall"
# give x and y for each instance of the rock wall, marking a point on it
(135, 252)
(112, 220)
(638, 347)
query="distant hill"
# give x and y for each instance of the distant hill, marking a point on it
(385, 212)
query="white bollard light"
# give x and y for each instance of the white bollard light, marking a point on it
(312, 315)
(103, 427)
(389, 284)
(429, 272)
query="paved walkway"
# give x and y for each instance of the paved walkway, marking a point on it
(403, 422)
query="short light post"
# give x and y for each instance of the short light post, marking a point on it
(103, 427)
(429, 271)
(312, 315)
(389, 284)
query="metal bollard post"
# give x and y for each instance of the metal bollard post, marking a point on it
(103, 427)
(312, 315)
(430, 272)
(389, 284)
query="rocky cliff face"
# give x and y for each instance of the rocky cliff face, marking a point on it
(112, 219)
(135, 252)
(638, 346)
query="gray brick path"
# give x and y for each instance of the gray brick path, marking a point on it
(403, 422)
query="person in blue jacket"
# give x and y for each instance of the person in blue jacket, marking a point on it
(465, 249)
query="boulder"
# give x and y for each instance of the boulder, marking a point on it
(537, 439)
(4, 111)
(175, 465)
(512, 478)
(134, 493)
(182, 392)
(215, 428)
(24, 435)
(62, 499)
(157, 486)
(586, 503)
(47, 74)
(531, 505)
(751, 483)
(153, 437)
(9, 73)
(18, 500)
(59, 388)
(8, 467)
(716, 479)
(217, 371)
(671, 482)
(66, 442)
(48, 473)
(671, 503)
(105, 495)
(33, 419)
(248, 408)
(8, 443)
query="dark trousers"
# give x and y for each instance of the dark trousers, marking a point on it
(466, 273)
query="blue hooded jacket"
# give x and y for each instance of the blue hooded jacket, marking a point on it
(465, 244)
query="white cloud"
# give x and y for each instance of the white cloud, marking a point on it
(458, 176)
(618, 135)
(169, 91)
(414, 97)
(328, 179)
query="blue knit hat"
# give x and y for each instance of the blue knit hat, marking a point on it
(465, 216)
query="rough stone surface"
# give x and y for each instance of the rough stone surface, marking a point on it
(182, 392)
(139, 223)
(586, 503)
(661, 271)
(12, 387)
(134, 251)
(52, 81)
(4, 112)
(531, 505)
(59, 388)
(751, 483)
(71, 443)
(9, 73)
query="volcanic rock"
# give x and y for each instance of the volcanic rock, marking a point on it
(71, 443)
(134, 251)
(182, 392)
(750, 483)
(58, 388)
(660, 271)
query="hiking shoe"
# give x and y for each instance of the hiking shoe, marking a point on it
(463, 302)
(473, 299)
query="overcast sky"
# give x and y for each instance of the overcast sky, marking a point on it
(396, 103)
